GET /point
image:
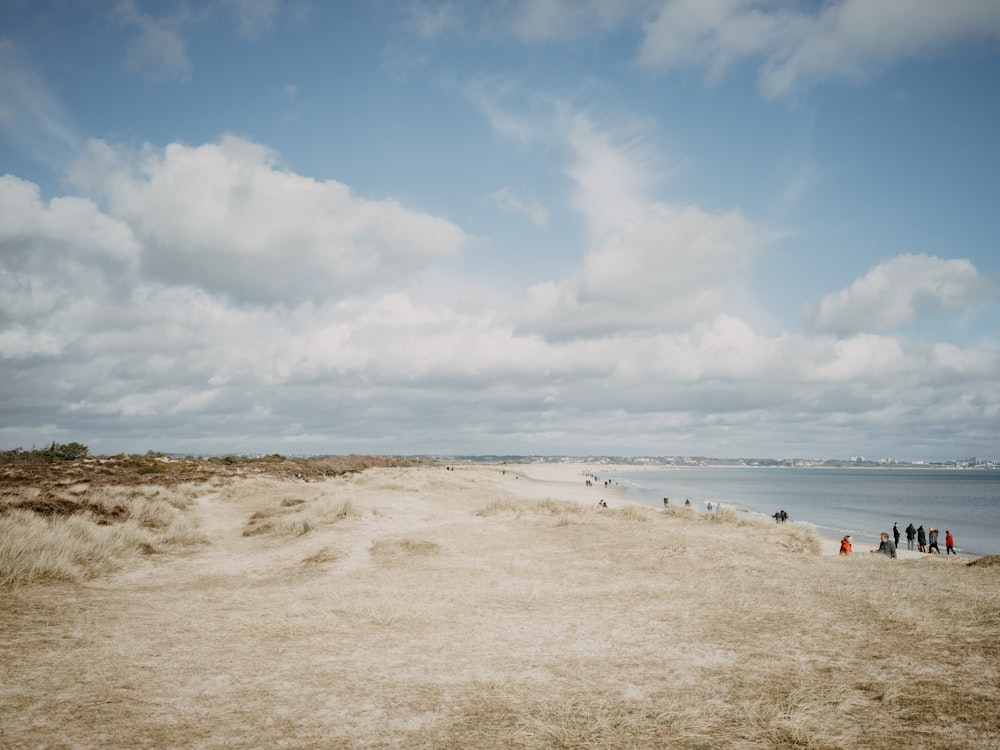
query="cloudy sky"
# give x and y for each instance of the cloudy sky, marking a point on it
(631, 227)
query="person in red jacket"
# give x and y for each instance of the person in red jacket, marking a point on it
(949, 542)
(845, 545)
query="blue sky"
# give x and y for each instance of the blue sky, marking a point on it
(670, 227)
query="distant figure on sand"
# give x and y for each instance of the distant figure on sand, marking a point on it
(845, 545)
(911, 534)
(687, 503)
(921, 539)
(932, 546)
(895, 533)
(666, 502)
(602, 504)
(949, 543)
(886, 547)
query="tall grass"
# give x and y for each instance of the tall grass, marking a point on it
(295, 516)
(35, 548)
(76, 532)
(547, 506)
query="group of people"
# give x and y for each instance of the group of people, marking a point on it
(687, 503)
(886, 546)
(591, 479)
(925, 542)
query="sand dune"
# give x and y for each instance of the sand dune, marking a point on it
(495, 607)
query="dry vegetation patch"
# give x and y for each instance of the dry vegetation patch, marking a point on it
(49, 511)
(396, 549)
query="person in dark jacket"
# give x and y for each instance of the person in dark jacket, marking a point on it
(911, 534)
(921, 539)
(932, 545)
(895, 533)
(886, 547)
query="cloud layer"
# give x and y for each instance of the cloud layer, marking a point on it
(798, 45)
(223, 217)
(208, 292)
(897, 292)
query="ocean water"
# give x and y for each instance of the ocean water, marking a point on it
(838, 501)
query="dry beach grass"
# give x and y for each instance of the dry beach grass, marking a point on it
(480, 607)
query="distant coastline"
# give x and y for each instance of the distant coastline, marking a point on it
(764, 463)
(658, 462)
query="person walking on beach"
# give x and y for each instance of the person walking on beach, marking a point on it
(949, 543)
(886, 547)
(921, 539)
(895, 533)
(845, 545)
(911, 534)
(932, 545)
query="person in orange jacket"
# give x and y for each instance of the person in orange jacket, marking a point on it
(949, 542)
(845, 545)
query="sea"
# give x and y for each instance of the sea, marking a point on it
(862, 502)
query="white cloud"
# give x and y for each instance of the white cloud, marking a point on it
(432, 21)
(530, 208)
(55, 256)
(845, 39)
(254, 18)
(226, 218)
(611, 179)
(651, 266)
(29, 114)
(894, 293)
(543, 20)
(668, 268)
(716, 33)
(158, 51)
(491, 97)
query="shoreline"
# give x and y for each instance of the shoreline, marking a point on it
(568, 481)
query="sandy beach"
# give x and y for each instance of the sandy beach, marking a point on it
(569, 481)
(487, 606)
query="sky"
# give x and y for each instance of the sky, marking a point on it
(730, 228)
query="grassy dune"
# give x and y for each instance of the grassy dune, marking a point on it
(417, 607)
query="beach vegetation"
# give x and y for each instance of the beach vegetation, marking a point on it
(633, 512)
(406, 547)
(78, 534)
(54, 452)
(296, 516)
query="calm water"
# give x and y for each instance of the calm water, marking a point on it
(861, 502)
